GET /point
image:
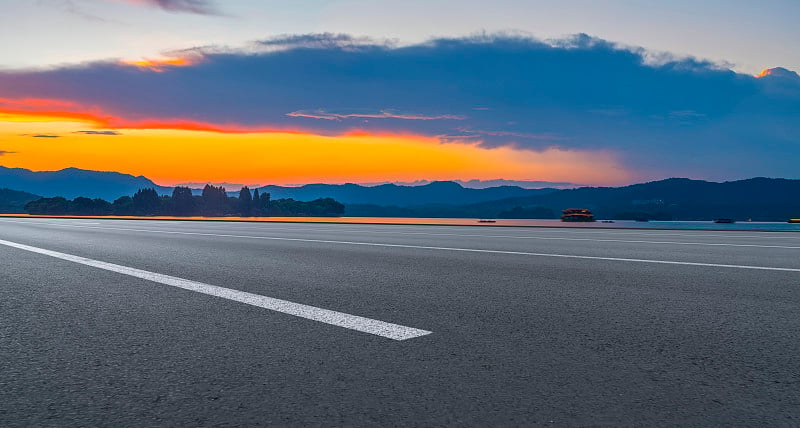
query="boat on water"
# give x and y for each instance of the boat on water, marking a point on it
(725, 221)
(794, 220)
(577, 215)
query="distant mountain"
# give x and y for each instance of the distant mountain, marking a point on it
(437, 192)
(73, 182)
(482, 184)
(766, 199)
(525, 184)
(13, 201)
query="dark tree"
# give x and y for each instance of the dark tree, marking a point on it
(264, 203)
(48, 206)
(102, 207)
(324, 207)
(183, 202)
(61, 206)
(86, 206)
(257, 203)
(82, 206)
(215, 200)
(245, 202)
(146, 202)
(123, 206)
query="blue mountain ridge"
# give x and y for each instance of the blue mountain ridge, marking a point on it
(772, 199)
(74, 182)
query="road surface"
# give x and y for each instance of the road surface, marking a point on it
(169, 323)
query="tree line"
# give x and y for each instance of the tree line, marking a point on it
(212, 202)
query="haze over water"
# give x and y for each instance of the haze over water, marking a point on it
(552, 223)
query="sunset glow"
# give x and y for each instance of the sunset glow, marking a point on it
(46, 110)
(187, 153)
(159, 65)
(764, 72)
(338, 108)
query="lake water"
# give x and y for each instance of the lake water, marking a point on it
(618, 224)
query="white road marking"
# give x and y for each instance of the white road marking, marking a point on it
(562, 231)
(406, 229)
(545, 238)
(402, 228)
(699, 233)
(340, 319)
(540, 238)
(468, 250)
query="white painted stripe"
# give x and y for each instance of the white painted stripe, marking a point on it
(460, 235)
(340, 319)
(700, 233)
(469, 250)
(546, 230)
(560, 230)
(406, 229)
(541, 238)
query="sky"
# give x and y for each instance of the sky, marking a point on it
(592, 92)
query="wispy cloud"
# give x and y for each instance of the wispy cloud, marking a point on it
(40, 135)
(70, 7)
(112, 133)
(5, 152)
(202, 7)
(383, 114)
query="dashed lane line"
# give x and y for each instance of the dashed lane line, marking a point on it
(339, 319)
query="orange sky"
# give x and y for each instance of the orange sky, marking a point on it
(195, 154)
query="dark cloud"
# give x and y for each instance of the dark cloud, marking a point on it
(663, 115)
(114, 133)
(5, 152)
(202, 7)
(323, 41)
(41, 135)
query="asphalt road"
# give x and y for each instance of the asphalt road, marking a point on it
(527, 326)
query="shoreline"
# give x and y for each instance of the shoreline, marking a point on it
(528, 223)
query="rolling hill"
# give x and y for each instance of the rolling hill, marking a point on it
(74, 182)
(13, 201)
(767, 199)
(437, 192)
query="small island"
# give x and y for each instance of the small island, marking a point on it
(212, 202)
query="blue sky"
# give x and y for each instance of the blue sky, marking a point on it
(749, 35)
(626, 90)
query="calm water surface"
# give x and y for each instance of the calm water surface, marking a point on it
(619, 224)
